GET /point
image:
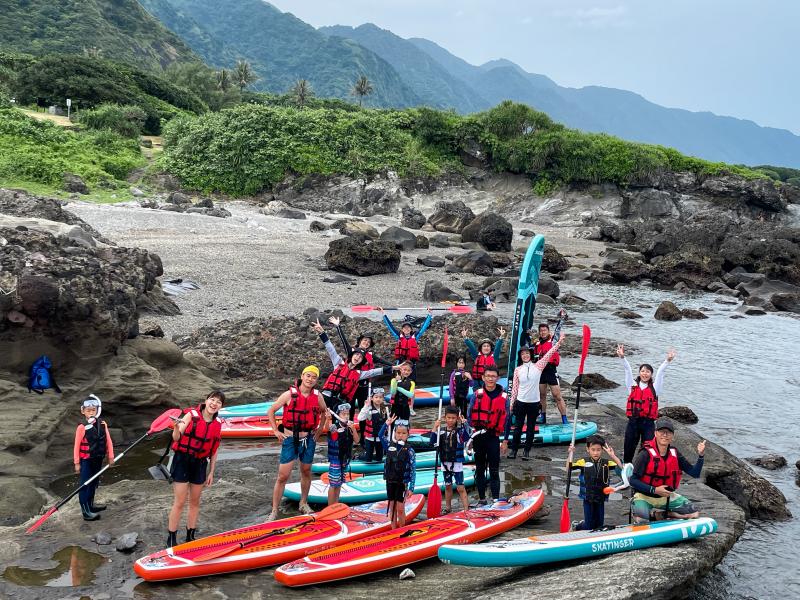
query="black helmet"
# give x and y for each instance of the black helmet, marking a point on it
(355, 351)
(529, 347)
(365, 336)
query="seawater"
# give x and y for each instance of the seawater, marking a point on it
(741, 378)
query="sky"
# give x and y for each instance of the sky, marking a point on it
(730, 57)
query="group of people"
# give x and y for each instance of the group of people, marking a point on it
(480, 420)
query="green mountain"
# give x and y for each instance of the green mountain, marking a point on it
(118, 29)
(281, 49)
(430, 80)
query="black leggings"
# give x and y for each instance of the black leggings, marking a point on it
(638, 431)
(462, 404)
(525, 411)
(487, 454)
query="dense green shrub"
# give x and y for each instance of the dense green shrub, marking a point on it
(127, 121)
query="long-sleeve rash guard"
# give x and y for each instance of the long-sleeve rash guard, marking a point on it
(525, 384)
(658, 380)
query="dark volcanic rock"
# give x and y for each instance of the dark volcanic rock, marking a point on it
(553, 261)
(401, 238)
(786, 301)
(349, 255)
(691, 313)
(412, 218)
(595, 381)
(625, 313)
(430, 261)
(440, 241)
(317, 226)
(74, 184)
(436, 291)
(667, 311)
(422, 243)
(290, 213)
(491, 231)
(771, 462)
(451, 217)
(625, 267)
(178, 198)
(548, 286)
(681, 414)
(475, 261)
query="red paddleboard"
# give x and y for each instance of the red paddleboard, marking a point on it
(410, 544)
(296, 541)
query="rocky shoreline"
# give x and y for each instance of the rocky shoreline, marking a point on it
(253, 268)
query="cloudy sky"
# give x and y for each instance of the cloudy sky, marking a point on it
(731, 57)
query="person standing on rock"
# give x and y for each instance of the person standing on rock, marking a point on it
(342, 383)
(525, 400)
(303, 407)
(407, 348)
(460, 384)
(195, 441)
(488, 417)
(483, 355)
(92, 445)
(549, 379)
(657, 475)
(642, 407)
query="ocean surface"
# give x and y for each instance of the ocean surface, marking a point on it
(741, 378)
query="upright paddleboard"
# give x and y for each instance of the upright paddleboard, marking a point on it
(368, 489)
(526, 299)
(557, 547)
(293, 538)
(410, 544)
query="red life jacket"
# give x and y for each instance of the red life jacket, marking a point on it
(543, 348)
(93, 444)
(642, 402)
(487, 413)
(373, 423)
(301, 413)
(406, 348)
(200, 439)
(343, 381)
(369, 362)
(661, 471)
(479, 366)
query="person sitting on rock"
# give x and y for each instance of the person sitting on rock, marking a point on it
(195, 441)
(303, 422)
(549, 378)
(657, 475)
(92, 445)
(342, 383)
(642, 407)
(483, 355)
(484, 302)
(407, 348)
(460, 384)
(342, 436)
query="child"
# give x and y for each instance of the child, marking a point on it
(406, 348)
(401, 391)
(459, 385)
(400, 469)
(342, 435)
(373, 416)
(92, 443)
(594, 476)
(452, 440)
(196, 439)
(484, 355)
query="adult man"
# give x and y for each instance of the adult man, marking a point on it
(657, 475)
(302, 425)
(488, 414)
(549, 378)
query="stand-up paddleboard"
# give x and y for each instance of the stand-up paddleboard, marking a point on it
(526, 299)
(545, 434)
(410, 544)
(576, 544)
(367, 489)
(429, 396)
(425, 460)
(294, 538)
(246, 427)
(255, 409)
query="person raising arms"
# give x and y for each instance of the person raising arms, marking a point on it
(483, 355)
(407, 348)
(549, 377)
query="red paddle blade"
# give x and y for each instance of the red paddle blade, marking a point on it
(434, 508)
(333, 512)
(565, 520)
(41, 520)
(460, 308)
(587, 338)
(165, 420)
(608, 490)
(362, 308)
(444, 349)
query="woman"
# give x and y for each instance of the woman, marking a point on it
(525, 399)
(196, 439)
(642, 407)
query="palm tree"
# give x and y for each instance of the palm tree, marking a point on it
(301, 92)
(362, 88)
(243, 75)
(223, 80)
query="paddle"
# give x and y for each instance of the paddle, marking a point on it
(434, 508)
(329, 513)
(565, 520)
(160, 424)
(456, 308)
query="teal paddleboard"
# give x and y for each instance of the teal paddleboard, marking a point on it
(370, 488)
(527, 289)
(257, 409)
(425, 460)
(546, 434)
(573, 545)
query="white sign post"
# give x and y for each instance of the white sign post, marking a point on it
(69, 106)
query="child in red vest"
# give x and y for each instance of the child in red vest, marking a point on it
(92, 444)
(406, 349)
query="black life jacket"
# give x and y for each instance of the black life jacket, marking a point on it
(344, 438)
(461, 385)
(397, 457)
(401, 399)
(595, 479)
(93, 444)
(448, 446)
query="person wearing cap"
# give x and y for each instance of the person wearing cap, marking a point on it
(483, 355)
(92, 445)
(525, 399)
(372, 417)
(657, 474)
(342, 384)
(407, 347)
(342, 436)
(642, 405)
(304, 418)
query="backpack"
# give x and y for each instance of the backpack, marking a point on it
(41, 378)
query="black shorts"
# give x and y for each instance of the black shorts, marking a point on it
(403, 411)
(187, 469)
(549, 375)
(395, 491)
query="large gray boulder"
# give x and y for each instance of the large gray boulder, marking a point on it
(436, 291)
(491, 231)
(362, 258)
(412, 218)
(451, 217)
(475, 261)
(403, 239)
